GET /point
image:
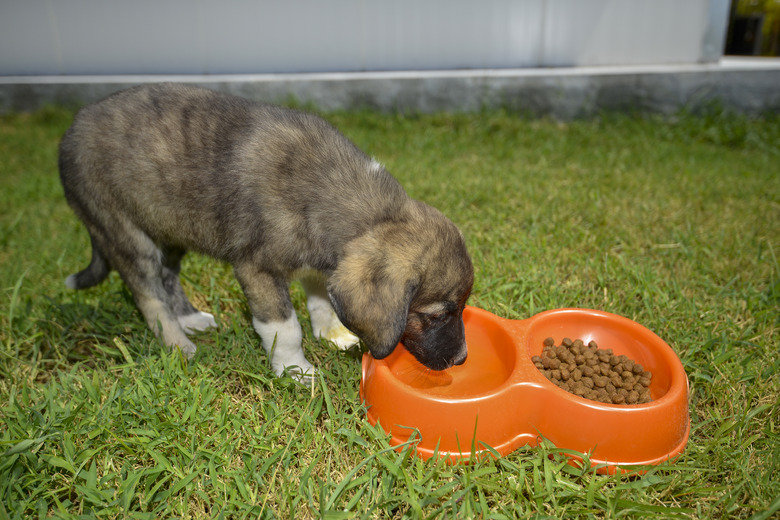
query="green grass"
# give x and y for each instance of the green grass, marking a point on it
(672, 223)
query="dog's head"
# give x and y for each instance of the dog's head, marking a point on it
(407, 281)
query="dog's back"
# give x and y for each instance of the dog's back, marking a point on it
(221, 175)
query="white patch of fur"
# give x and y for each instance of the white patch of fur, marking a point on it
(196, 322)
(376, 166)
(324, 322)
(326, 325)
(282, 342)
(70, 282)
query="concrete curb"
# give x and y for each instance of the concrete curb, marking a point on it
(747, 86)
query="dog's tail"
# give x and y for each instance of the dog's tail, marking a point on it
(95, 272)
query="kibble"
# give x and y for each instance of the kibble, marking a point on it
(594, 373)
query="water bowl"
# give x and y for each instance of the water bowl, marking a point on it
(498, 400)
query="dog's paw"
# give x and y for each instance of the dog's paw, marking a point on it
(302, 371)
(326, 325)
(187, 348)
(305, 376)
(196, 322)
(339, 335)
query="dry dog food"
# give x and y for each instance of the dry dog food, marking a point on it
(594, 373)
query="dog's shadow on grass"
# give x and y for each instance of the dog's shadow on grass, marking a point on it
(79, 326)
(85, 327)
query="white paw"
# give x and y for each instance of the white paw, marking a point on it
(326, 325)
(324, 322)
(196, 322)
(282, 342)
(339, 335)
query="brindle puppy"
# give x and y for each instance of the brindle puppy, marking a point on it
(157, 170)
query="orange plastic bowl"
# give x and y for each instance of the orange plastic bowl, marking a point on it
(499, 399)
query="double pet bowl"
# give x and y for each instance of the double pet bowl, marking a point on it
(498, 400)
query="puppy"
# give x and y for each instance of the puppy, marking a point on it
(158, 170)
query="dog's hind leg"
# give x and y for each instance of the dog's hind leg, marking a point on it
(190, 319)
(139, 262)
(324, 322)
(274, 319)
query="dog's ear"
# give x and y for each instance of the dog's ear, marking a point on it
(371, 290)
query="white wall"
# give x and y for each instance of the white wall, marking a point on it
(55, 37)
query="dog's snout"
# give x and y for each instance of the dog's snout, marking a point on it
(461, 357)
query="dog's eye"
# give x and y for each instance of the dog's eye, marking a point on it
(435, 318)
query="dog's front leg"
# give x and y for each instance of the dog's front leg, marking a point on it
(274, 319)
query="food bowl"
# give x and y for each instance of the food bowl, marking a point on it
(498, 400)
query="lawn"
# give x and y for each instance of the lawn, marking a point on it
(674, 223)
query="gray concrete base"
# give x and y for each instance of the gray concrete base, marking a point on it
(744, 85)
